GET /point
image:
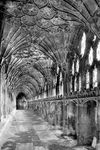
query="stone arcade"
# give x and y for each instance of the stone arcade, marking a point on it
(50, 65)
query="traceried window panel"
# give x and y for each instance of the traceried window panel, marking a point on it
(60, 76)
(73, 69)
(95, 81)
(80, 83)
(87, 80)
(57, 69)
(91, 56)
(54, 91)
(77, 66)
(83, 44)
(71, 85)
(75, 84)
(94, 39)
(98, 52)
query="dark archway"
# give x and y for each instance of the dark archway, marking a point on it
(19, 99)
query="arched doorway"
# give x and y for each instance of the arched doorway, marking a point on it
(20, 101)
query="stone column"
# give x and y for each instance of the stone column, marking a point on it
(98, 126)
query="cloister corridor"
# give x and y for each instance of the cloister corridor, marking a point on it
(49, 74)
(27, 131)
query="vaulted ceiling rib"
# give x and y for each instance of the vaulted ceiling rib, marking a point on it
(38, 30)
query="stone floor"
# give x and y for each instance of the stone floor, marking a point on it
(27, 131)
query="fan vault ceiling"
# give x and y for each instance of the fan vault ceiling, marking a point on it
(36, 33)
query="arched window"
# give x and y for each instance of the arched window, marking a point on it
(75, 84)
(71, 85)
(77, 66)
(80, 83)
(60, 76)
(94, 38)
(57, 69)
(91, 56)
(98, 52)
(87, 80)
(95, 81)
(73, 70)
(83, 44)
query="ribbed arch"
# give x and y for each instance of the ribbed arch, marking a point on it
(25, 73)
(27, 79)
(31, 86)
(30, 42)
(29, 92)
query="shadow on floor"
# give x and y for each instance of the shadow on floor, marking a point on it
(22, 138)
(27, 137)
(58, 147)
(9, 145)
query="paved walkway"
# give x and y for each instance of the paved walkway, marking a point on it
(27, 131)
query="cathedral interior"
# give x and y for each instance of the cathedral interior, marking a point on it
(50, 74)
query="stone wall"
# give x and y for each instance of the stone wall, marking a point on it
(81, 121)
(87, 123)
(7, 100)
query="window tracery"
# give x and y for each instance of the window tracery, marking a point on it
(83, 44)
(94, 38)
(98, 52)
(91, 56)
(80, 84)
(95, 82)
(87, 80)
(75, 84)
(60, 76)
(77, 66)
(73, 70)
(71, 85)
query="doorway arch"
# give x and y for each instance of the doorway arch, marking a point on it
(19, 99)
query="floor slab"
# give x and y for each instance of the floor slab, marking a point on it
(27, 131)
